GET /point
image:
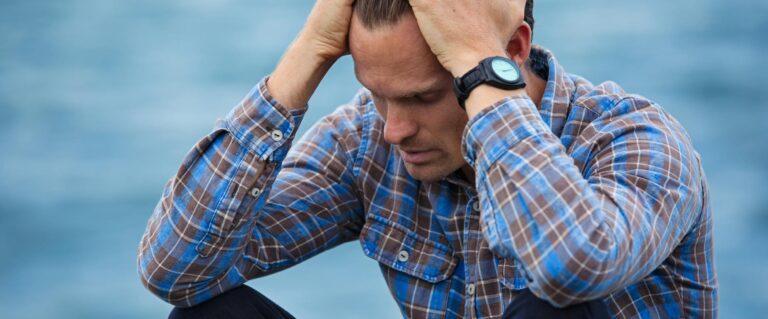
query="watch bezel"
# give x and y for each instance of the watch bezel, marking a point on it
(491, 71)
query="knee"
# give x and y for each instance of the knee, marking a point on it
(241, 302)
(528, 306)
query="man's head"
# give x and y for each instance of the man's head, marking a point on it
(410, 88)
(377, 13)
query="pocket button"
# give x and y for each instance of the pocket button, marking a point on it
(403, 256)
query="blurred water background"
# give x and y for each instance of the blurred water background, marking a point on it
(100, 100)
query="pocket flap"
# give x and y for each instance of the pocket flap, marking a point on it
(399, 248)
(511, 275)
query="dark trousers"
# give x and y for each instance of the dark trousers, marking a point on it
(240, 303)
(528, 306)
(244, 302)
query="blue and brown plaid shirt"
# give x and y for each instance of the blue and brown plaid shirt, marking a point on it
(595, 194)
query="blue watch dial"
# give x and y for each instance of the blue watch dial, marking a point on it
(505, 70)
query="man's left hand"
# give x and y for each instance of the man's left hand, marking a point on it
(462, 32)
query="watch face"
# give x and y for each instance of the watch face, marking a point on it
(505, 69)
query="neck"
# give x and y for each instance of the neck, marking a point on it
(534, 86)
(469, 173)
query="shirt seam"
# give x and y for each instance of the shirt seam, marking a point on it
(212, 219)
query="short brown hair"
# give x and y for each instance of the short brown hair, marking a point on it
(377, 13)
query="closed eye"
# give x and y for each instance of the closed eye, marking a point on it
(429, 97)
(425, 98)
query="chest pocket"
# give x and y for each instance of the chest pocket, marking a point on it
(402, 249)
(511, 275)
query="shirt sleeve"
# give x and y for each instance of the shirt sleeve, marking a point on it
(241, 205)
(583, 231)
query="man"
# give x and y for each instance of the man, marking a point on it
(484, 179)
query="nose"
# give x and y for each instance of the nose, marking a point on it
(399, 125)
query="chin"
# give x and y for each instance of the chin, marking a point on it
(428, 173)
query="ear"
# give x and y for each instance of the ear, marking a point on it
(519, 46)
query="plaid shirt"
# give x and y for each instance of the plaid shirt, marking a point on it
(596, 194)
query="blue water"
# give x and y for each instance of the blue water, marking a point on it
(100, 100)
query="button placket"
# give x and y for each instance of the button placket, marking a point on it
(476, 205)
(470, 301)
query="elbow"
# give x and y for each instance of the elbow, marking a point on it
(159, 284)
(155, 266)
(567, 279)
(181, 289)
(166, 284)
(564, 291)
(157, 288)
(557, 291)
(175, 294)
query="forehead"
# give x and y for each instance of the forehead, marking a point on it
(394, 60)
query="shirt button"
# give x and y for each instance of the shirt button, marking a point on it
(476, 206)
(471, 289)
(403, 256)
(255, 192)
(277, 135)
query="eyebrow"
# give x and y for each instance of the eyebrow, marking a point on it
(427, 89)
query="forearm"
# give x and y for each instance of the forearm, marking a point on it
(298, 74)
(196, 241)
(579, 238)
(197, 233)
(322, 41)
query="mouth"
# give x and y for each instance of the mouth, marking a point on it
(417, 156)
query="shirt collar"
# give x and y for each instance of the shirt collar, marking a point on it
(558, 94)
(458, 178)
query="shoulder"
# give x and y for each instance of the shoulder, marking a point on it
(346, 121)
(623, 128)
(607, 98)
(606, 107)
(344, 129)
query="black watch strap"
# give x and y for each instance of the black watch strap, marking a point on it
(466, 83)
(484, 73)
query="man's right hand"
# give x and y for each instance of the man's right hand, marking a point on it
(327, 28)
(322, 41)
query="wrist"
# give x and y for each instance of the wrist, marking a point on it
(492, 79)
(468, 61)
(297, 75)
(485, 96)
(315, 51)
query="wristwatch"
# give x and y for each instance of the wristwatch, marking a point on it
(496, 71)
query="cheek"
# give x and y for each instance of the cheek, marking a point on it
(454, 117)
(451, 125)
(459, 123)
